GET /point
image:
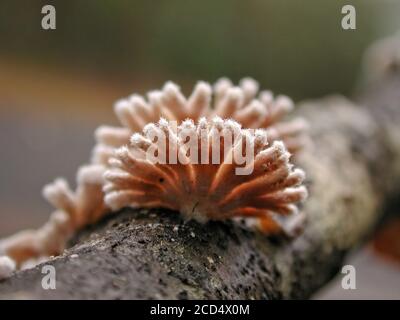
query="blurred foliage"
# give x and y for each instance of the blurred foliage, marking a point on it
(295, 47)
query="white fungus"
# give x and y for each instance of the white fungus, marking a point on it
(7, 267)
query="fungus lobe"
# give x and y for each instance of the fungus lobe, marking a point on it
(251, 178)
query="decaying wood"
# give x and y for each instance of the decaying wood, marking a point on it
(353, 169)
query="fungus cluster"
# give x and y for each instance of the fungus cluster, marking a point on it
(121, 173)
(197, 185)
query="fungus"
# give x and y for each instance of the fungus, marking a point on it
(199, 191)
(243, 103)
(74, 210)
(7, 267)
(266, 188)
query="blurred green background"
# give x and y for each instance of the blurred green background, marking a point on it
(57, 86)
(295, 47)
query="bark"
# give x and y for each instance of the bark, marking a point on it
(353, 170)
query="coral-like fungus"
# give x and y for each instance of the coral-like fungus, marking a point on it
(198, 191)
(74, 210)
(219, 171)
(243, 103)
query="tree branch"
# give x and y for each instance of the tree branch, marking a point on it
(353, 167)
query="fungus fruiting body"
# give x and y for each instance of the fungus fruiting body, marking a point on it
(7, 266)
(243, 103)
(74, 210)
(223, 172)
(120, 175)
